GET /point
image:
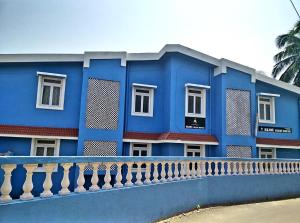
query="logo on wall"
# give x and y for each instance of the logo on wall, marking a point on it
(274, 129)
(194, 123)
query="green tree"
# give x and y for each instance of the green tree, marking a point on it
(288, 59)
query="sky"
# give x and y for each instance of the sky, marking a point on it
(240, 30)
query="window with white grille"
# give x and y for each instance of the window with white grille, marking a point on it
(194, 150)
(51, 91)
(142, 101)
(195, 102)
(45, 147)
(267, 153)
(266, 109)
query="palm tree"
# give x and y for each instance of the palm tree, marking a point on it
(288, 59)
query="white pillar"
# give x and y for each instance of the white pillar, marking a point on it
(188, 171)
(182, 170)
(280, 167)
(118, 183)
(198, 171)
(139, 174)
(147, 173)
(6, 185)
(49, 168)
(209, 169)
(193, 170)
(284, 167)
(203, 168)
(129, 175)
(155, 173)
(251, 168)
(107, 177)
(95, 177)
(65, 181)
(222, 172)
(28, 185)
(170, 172)
(234, 169)
(176, 172)
(80, 179)
(163, 172)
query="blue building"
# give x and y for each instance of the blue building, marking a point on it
(177, 102)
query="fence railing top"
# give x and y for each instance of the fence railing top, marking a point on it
(89, 159)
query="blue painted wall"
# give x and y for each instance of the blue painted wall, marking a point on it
(287, 112)
(18, 93)
(104, 70)
(155, 201)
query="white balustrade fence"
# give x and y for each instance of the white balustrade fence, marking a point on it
(127, 171)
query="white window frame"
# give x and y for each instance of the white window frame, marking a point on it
(203, 101)
(151, 101)
(34, 145)
(52, 76)
(149, 148)
(202, 149)
(272, 109)
(273, 152)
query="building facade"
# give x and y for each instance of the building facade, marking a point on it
(177, 102)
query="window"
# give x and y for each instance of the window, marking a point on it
(51, 91)
(142, 101)
(140, 149)
(45, 147)
(195, 102)
(194, 150)
(267, 153)
(266, 109)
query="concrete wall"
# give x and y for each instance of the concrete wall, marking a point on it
(153, 201)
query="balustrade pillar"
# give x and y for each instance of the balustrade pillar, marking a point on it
(234, 169)
(163, 172)
(182, 170)
(129, 175)
(49, 168)
(209, 169)
(176, 172)
(118, 183)
(28, 185)
(170, 172)
(65, 180)
(222, 172)
(95, 177)
(155, 173)
(6, 185)
(188, 171)
(147, 173)
(80, 180)
(139, 174)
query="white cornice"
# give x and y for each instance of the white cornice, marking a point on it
(38, 136)
(170, 141)
(104, 55)
(11, 58)
(277, 146)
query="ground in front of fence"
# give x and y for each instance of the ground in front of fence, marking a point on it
(276, 212)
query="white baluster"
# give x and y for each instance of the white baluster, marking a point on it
(28, 185)
(118, 183)
(187, 169)
(65, 180)
(107, 177)
(251, 171)
(222, 172)
(80, 180)
(284, 167)
(280, 167)
(229, 168)
(271, 167)
(203, 168)
(163, 172)
(49, 168)
(193, 169)
(139, 174)
(176, 172)
(256, 168)
(182, 170)
(6, 185)
(209, 169)
(241, 170)
(198, 171)
(147, 173)
(246, 169)
(170, 172)
(234, 169)
(155, 173)
(288, 170)
(296, 167)
(129, 175)
(95, 177)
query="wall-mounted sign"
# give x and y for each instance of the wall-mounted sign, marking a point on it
(194, 123)
(274, 129)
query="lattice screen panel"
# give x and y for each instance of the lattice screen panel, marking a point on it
(102, 104)
(238, 120)
(239, 151)
(100, 148)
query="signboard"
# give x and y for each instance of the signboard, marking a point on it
(194, 123)
(274, 129)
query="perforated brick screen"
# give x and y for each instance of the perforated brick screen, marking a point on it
(102, 104)
(239, 151)
(238, 112)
